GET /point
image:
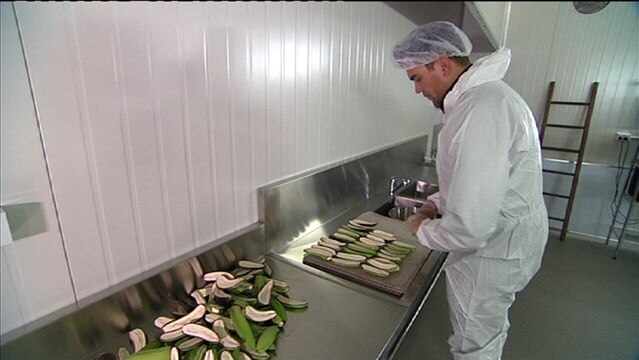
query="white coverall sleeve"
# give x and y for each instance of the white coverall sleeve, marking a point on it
(478, 158)
(435, 199)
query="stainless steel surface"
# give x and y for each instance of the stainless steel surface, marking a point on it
(419, 189)
(294, 207)
(311, 228)
(315, 227)
(340, 323)
(333, 342)
(99, 326)
(409, 199)
(345, 323)
(294, 254)
(408, 202)
(402, 213)
(415, 313)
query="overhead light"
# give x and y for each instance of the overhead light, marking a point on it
(590, 7)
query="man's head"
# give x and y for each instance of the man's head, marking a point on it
(433, 55)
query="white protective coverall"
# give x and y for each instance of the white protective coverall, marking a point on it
(494, 222)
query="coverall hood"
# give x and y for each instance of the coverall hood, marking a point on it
(490, 68)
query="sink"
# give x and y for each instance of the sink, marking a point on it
(408, 199)
(385, 208)
(418, 190)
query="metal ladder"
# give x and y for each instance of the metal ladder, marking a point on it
(580, 152)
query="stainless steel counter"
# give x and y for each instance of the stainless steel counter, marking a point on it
(340, 323)
(344, 320)
(293, 253)
(354, 321)
(347, 320)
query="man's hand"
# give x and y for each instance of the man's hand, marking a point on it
(414, 221)
(428, 210)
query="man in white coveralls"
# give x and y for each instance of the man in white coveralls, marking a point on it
(494, 223)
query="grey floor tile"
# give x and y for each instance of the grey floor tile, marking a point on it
(581, 305)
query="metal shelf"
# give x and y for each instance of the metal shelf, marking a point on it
(633, 199)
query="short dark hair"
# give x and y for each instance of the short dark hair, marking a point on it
(459, 60)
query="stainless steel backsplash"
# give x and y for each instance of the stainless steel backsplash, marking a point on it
(100, 325)
(295, 206)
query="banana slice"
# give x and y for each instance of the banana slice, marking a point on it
(257, 315)
(353, 257)
(250, 264)
(138, 338)
(364, 222)
(375, 271)
(201, 332)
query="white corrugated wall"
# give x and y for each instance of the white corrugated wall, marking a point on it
(34, 276)
(161, 120)
(551, 41)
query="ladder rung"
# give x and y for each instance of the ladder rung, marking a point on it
(557, 195)
(569, 103)
(566, 126)
(554, 228)
(558, 172)
(554, 218)
(560, 149)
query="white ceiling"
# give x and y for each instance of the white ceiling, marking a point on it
(457, 12)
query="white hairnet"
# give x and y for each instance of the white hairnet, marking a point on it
(428, 42)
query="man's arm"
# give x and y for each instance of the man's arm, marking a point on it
(478, 181)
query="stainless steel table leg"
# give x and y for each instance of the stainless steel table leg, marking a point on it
(625, 223)
(614, 218)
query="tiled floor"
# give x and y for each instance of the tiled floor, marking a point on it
(581, 305)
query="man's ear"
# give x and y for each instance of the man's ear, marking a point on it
(445, 65)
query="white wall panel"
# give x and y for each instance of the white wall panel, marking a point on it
(44, 31)
(35, 279)
(163, 119)
(138, 100)
(168, 88)
(576, 50)
(324, 80)
(494, 14)
(530, 51)
(289, 96)
(314, 96)
(241, 122)
(192, 30)
(106, 124)
(257, 98)
(551, 41)
(10, 307)
(274, 84)
(220, 85)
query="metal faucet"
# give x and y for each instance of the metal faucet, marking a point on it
(396, 182)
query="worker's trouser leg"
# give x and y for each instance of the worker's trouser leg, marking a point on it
(480, 291)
